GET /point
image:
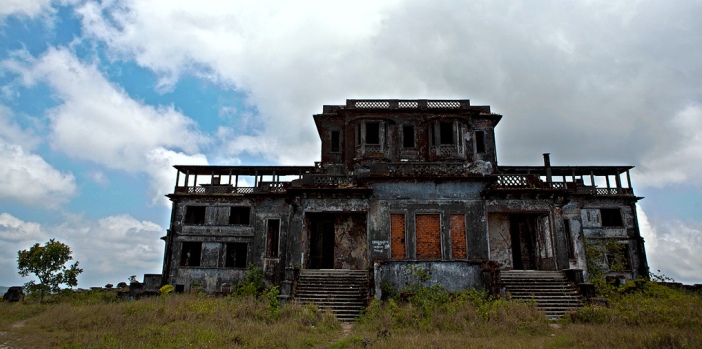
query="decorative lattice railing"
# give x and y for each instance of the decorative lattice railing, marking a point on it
(529, 181)
(406, 104)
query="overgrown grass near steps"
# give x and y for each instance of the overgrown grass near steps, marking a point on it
(645, 315)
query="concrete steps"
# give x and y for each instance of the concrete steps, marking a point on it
(551, 291)
(343, 291)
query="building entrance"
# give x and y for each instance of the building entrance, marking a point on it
(337, 240)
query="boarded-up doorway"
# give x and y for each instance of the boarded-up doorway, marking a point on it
(337, 240)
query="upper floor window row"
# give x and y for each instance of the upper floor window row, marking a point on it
(440, 133)
(217, 215)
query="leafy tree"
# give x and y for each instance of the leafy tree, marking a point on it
(48, 263)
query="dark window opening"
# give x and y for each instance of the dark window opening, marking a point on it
(611, 217)
(195, 215)
(569, 238)
(480, 142)
(372, 133)
(239, 215)
(179, 288)
(618, 257)
(273, 238)
(335, 141)
(190, 254)
(408, 136)
(236, 255)
(446, 133)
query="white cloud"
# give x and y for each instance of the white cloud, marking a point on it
(29, 8)
(591, 88)
(113, 248)
(28, 178)
(98, 121)
(673, 246)
(680, 159)
(11, 132)
(14, 229)
(98, 177)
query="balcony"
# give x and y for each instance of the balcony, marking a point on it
(236, 180)
(597, 181)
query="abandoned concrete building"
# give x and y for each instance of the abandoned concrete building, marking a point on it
(402, 184)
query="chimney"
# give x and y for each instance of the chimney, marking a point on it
(547, 164)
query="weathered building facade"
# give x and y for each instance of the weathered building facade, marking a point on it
(401, 184)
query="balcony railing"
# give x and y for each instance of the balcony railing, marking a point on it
(408, 103)
(534, 182)
(207, 189)
(414, 169)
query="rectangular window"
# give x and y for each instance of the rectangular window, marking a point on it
(235, 256)
(239, 215)
(617, 255)
(611, 217)
(458, 236)
(397, 236)
(273, 227)
(190, 254)
(194, 215)
(335, 141)
(408, 136)
(480, 142)
(428, 229)
(372, 133)
(446, 133)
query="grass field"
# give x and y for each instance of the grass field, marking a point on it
(640, 316)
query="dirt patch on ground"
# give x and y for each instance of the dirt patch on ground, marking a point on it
(346, 329)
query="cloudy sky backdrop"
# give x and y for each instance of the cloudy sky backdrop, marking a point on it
(98, 99)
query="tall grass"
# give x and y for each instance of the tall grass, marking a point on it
(177, 321)
(641, 315)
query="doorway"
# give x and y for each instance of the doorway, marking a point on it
(321, 241)
(337, 240)
(531, 241)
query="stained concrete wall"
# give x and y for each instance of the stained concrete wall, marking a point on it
(455, 276)
(297, 240)
(628, 234)
(427, 197)
(216, 232)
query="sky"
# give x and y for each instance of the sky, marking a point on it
(99, 99)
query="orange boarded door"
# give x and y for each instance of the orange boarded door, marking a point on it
(428, 236)
(458, 236)
(397, 238)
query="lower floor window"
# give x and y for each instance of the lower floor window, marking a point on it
(190, 254)
(428, 230)
(235, 256)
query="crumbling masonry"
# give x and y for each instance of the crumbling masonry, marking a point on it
(400, 182)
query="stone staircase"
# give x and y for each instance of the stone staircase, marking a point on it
(343, 291)
(551, 291)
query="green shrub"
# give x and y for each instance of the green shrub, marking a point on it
(166, 289)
